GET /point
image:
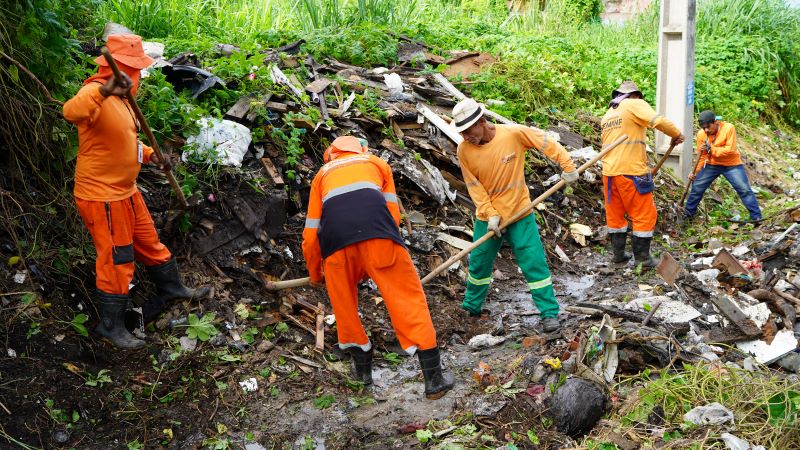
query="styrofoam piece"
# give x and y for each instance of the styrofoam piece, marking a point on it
(764, 353)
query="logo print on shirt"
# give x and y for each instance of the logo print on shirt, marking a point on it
(508, 158)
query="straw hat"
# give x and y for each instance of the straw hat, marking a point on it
(466, 113)
(626, 87)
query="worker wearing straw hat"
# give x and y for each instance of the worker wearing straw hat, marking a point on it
(492, 161)
(627, 180)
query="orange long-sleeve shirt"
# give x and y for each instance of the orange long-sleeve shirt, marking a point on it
(108, 145)
(632, 117)
(495, 171)
(723, 147)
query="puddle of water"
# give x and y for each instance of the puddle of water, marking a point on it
(575, 287)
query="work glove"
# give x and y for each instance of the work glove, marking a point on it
(677, 139)
(570, 177)
(494, 225)
(117, 87)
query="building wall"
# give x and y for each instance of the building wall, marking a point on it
(617, 11)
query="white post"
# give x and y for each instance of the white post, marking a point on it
(675, 89)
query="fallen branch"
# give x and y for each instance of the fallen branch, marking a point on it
(33, 77)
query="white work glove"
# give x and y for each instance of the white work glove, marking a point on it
(494, 225)
(570, 177)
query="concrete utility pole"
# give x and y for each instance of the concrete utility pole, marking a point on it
(675, 89)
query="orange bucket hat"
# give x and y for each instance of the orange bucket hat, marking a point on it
(343, 144)
(126, 49)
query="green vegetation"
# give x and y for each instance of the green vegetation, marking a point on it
(765, 407)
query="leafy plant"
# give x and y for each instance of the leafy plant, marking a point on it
(201, 328)
(102, 377)
(78, 324)
(392, 358)
(424, 435)
(324, 401)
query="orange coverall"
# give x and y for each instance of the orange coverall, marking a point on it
(109, 159)
(351, 232)
(632, 117)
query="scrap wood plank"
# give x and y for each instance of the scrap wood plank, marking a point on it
(460, 96)
(319, 85)
(277, 107)
(729, 262)
(319, 345)
(735, 315)
(220, 238)
(272, 171)
(251, 116)
(240, 109)
(440, 123)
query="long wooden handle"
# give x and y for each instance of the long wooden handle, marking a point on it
(662, 160)
(689, 183)
(147, 131)
(278, 285)
(520, 214)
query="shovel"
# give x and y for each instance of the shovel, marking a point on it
(662, 160)
(689, 183)
(520, 214)
(277, 285)
(147, 131)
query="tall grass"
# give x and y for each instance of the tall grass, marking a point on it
(748, 51)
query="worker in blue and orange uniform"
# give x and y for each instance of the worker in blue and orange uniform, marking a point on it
(110, 156)
(352, 232)
(627, 181)
(719, 155)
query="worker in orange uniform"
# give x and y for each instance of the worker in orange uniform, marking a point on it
(492, 161)
(716, 148)
(627, 181)
(111, 206)
(352, 231)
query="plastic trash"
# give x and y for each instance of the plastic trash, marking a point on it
(711, 414)
(219, 141)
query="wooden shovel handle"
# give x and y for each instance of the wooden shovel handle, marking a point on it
(522, 213)
(147, 131)
(662, 160)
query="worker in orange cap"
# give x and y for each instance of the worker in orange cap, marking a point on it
(352, 232)
(627, 181)
(110, 156)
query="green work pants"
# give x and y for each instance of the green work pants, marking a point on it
(523, 236)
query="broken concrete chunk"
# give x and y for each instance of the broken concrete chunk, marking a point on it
(487, 407)
(711, 414)
(671, 310)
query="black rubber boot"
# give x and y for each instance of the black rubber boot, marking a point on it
(169, 287)
(112, 320)
(641, 251)
(618, 241)
(363, 363)
(437, 382)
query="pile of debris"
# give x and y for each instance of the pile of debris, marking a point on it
(250, 223)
